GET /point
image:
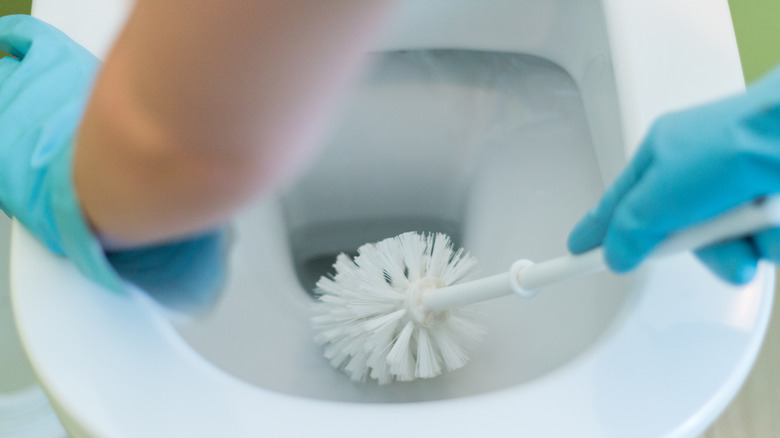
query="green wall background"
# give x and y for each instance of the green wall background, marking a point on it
(15, 7)
(757, 25)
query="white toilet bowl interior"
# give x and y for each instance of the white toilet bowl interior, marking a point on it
(505, 163)
(497, 125)
(492, 148)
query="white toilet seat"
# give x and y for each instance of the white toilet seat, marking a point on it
(114, 367)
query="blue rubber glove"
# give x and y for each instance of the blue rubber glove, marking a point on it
(691, 166)
(44, 88)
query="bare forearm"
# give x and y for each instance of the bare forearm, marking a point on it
(199, 107)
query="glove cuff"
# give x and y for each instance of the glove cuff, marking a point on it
(78, 242)
(185, 275)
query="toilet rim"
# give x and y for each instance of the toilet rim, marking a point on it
(100, 388)
(82, 318)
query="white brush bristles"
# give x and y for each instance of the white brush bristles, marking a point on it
(364, 319)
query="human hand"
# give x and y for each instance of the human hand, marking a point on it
(693, 165)
(44, 88)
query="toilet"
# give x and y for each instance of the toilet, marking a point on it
(499, 122)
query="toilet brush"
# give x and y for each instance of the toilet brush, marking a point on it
(394, 312)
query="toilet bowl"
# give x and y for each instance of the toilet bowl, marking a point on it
(499, 122)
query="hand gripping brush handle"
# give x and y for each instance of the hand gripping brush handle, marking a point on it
(526, 277)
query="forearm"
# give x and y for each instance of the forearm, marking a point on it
(199, 107)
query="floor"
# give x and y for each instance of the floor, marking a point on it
(754, 412)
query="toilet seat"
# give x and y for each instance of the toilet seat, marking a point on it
(156, 385)
(114, 367)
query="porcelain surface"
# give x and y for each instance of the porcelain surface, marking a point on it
(657, 353)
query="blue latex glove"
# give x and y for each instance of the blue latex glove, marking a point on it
(691, 166)
(43, 93)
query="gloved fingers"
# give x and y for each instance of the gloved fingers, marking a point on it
(589, 232)
(38, 84)
(16, 34)
(665, 201)
(8, 66)
(19, 32)
(658, 207)
(638, 223)
(767, 244)
(735, 261)
(693, 177)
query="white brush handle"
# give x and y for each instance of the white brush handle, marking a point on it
(525, 278)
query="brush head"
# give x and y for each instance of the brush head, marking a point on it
(370, 318)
